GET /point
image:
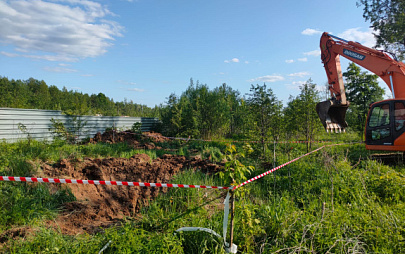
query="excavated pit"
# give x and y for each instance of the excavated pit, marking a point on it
(100, 206)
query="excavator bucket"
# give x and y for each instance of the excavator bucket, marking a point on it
(332, 116)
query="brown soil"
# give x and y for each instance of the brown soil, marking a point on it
(100, 206)
(15, 233)
(146, 140)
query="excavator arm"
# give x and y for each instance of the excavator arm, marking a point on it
(332, 112)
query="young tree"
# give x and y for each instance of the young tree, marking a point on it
(301, 114)
(387, 19)
(263, 107)
(362, 89)
(225, 114)
(171, 116)
(201, 112)
(290, 118)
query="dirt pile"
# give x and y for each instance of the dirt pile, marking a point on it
(100, 205)
(146, 140)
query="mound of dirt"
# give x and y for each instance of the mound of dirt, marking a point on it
(145, 140)
(99, 206)
(155, 137)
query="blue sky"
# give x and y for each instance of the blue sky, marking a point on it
(145, 50)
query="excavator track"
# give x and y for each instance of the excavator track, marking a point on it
(390, 159)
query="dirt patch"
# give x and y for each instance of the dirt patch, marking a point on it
(15, 233)
(99, 206)
(155, 137)
(146, 140)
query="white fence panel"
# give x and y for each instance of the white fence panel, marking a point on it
(16, 124)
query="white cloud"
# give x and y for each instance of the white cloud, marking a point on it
(59, 69)
(299, 74)
(316, 52)
(8, 54)
(365, 38)
(310, 31)
(304, 59)
(298, 83)
(60, 30)
(268, 78)
(127, 83)
(233, 60)
(135, 90)
(41, 57)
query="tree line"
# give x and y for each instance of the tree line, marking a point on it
(200, 112)
(36, 94)
(258, 115)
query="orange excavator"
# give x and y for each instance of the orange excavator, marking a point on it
(385, 125)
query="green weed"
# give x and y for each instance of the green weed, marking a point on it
(332, 201)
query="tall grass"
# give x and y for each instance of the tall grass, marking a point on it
(333, 201)
(24, 203)
(27, 203)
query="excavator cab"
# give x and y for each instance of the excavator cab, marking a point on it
(332, 115)
(385, 127)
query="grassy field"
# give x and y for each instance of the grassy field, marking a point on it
(336, 200)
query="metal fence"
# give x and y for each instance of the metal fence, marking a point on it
(17, 124)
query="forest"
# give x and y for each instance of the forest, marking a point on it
(36, 94)
(201, 112)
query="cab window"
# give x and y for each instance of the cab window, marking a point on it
(380, 116)
(399, 115)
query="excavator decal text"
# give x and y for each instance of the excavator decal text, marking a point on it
(354, 54)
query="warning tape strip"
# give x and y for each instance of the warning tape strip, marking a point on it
(141, 184)
(55, 180)
(276, 168)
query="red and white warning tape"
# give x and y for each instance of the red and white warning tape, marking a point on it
(167, 185)
(274, 169)
(55, 180)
